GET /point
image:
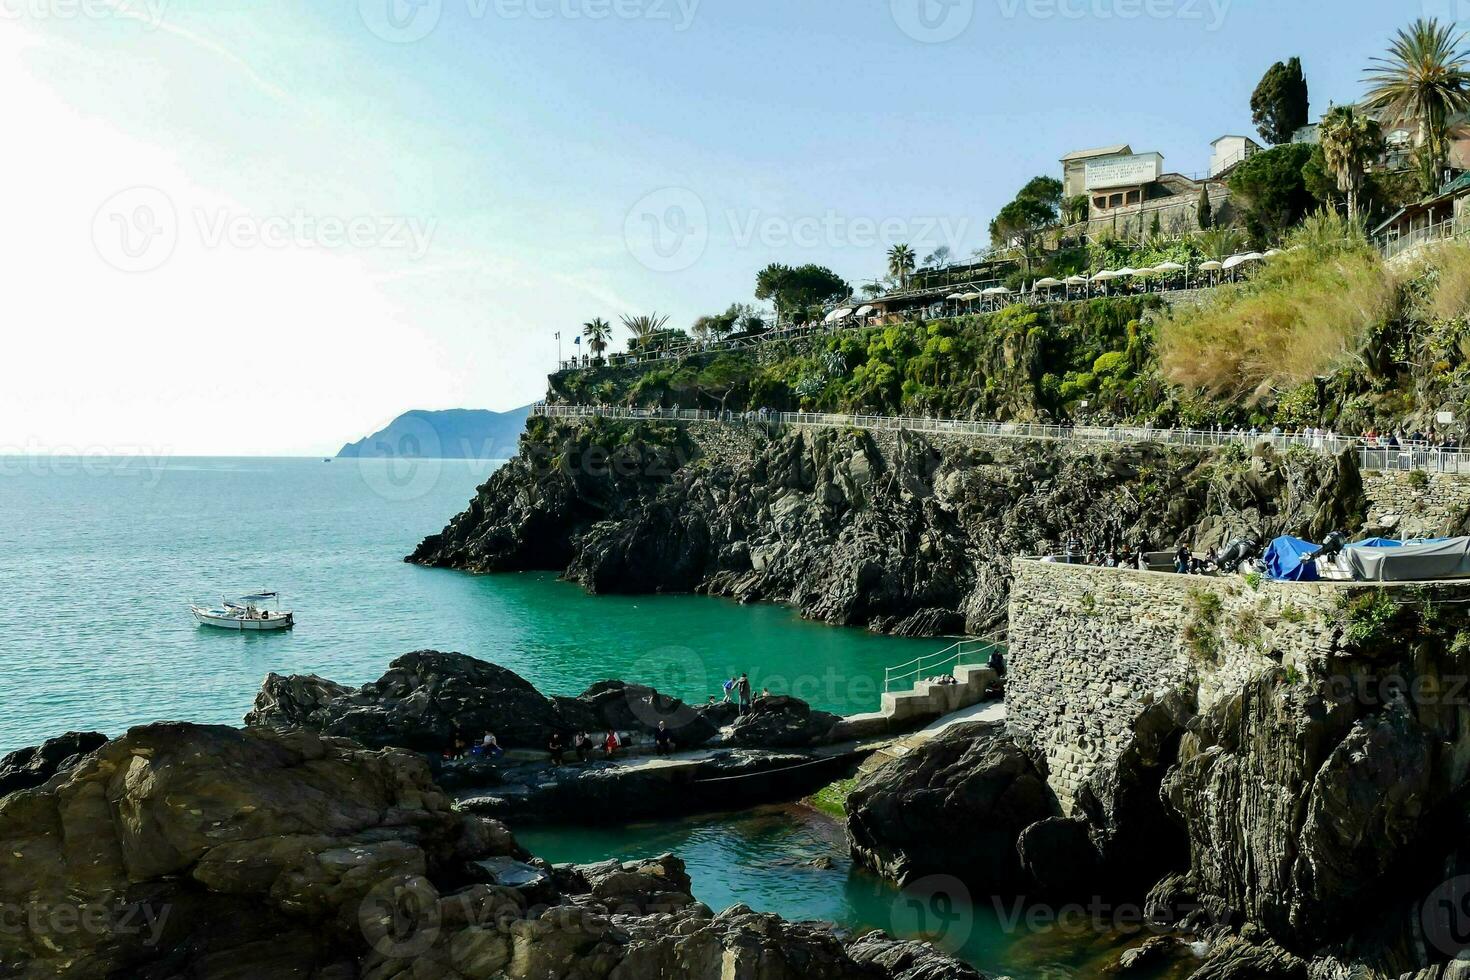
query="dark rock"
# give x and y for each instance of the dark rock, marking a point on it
(425, 701)
(25, 768)
(909, 960)
(1059, 856)
(1148, 955)
(1238, 958)
(955, 805)
(218, 854)
(236, 845)
(780, 722)
(622, 707)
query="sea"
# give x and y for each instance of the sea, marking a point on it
(100, 558)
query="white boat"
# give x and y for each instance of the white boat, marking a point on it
(250, 612)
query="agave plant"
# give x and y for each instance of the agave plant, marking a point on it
(1425, 79)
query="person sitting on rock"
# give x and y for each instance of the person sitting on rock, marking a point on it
(582, 745)
(663, 740)
(557, 747)
(610, 744)
(490, 747)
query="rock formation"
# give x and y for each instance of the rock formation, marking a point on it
(427, 699)
(181, 850)
(911, 535)
(955, 805)
(32, 766)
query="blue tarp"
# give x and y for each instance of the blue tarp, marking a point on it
(1377, 543)
(1284, 560)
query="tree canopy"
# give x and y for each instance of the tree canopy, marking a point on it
(1280, 103)
(1036, 207)
(1273, 187)
(794, 291)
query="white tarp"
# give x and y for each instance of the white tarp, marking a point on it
(1449, 558)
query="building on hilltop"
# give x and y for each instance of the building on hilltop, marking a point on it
(1229, 152)
(1074, 166)
(1127, 191)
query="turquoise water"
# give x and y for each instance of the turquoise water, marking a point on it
(764, 859)
(99, 559)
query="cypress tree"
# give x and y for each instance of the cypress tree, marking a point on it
(1206, 211)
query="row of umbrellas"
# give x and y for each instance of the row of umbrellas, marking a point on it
(1106, 275)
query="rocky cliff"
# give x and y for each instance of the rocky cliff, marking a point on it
(898, 532)
(1294, 796)
(216, 854)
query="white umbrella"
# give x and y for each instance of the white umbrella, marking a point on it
(1130, 271)
(1234, 261)
(1048, 282)
(1077, 280)
(1255, 256)
(956, 297)
(1105, 275)
(970, 297)
(996, 291)
(864, 311)
(1168, 267)
(1271, 253)
(1211, 266)
(838, 314)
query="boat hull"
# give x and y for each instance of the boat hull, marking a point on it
(240, 624)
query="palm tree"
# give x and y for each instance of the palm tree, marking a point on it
(1220, 243)
(901, 263)
(1425, 78)
(1351, 142)
(597, 331)
(644, 328)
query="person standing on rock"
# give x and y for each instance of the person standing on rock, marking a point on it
(742, 688)
(557, 748)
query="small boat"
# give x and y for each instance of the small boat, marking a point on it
(250, 612)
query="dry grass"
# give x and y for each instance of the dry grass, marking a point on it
(1307, 313)
(1448, 297)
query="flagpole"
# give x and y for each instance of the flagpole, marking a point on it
(558, 350)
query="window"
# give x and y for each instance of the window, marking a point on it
(1100, 202)
(1133, 197)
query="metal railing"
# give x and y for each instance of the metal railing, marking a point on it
(1443, 231)
(968, 652)
(1372, 454)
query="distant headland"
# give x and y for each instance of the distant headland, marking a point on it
(459, 433)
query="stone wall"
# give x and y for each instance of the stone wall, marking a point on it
(1417, 504)
(1089, 645)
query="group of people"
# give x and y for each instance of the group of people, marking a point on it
(1122, 557)
(739, 691)
(580, 744)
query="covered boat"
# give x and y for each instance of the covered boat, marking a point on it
(1412, 561)
(1288, 559)
(249, 612)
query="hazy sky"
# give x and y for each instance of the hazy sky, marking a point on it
(259, 226)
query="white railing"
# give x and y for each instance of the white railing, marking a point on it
(970, 652)
(1372, 454)
(1443, 231)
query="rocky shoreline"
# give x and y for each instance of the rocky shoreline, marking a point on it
(213, 853)
(898, 533)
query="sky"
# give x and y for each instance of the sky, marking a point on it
(261, 227)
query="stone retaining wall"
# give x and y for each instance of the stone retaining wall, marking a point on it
(1089, 646)
(1417, 504)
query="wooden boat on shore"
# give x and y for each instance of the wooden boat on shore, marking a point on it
(251, 612)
